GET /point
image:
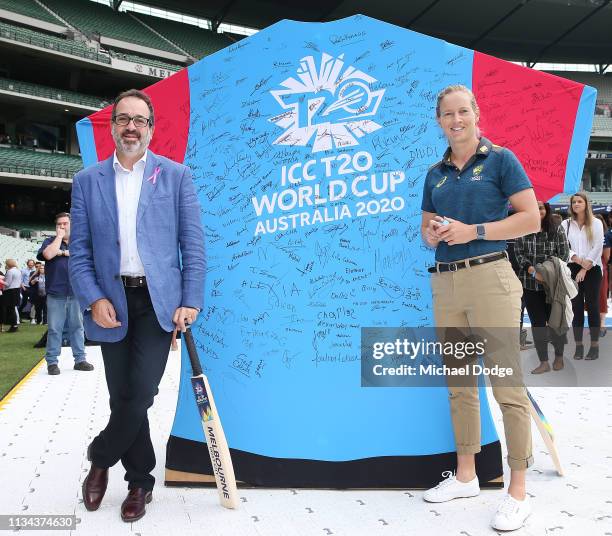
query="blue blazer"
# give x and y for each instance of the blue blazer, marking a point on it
(167, 220)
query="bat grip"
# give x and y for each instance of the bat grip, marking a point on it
(193, 353)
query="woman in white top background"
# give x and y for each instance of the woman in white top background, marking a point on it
(585, 236)
(11, 294)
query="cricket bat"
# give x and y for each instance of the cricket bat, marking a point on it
(213, 431)
(546, 432)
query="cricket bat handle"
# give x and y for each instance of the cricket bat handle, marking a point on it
(193, 353)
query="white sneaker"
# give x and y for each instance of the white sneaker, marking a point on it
(451, 488)
(511, 514)
(32, 321)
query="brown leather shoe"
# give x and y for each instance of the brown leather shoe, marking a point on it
(541, 368)
(133, 508)
(94, 487)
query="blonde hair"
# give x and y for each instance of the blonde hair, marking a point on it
(588, 214)
(453, 89)
(459, 87)
(11, 263)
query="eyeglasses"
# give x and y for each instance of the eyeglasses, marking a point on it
(124, 119)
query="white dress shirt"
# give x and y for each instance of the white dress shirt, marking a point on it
(579, 242)
(128, 185)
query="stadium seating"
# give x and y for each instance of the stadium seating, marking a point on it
(52, 93)
(29, 162)
(17, 248)
(197, 41)
(29, 8)
(602, 123)
(99, 19)
(145, 61)
(39, 39)
(29, 229)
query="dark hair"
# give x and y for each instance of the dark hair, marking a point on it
(603, 220)
(139, 95)
(62, 215)
(548, 224)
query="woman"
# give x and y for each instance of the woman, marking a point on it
(38, 294)
(531, 250)
(608, 241)
(1, 300)
(11, 293)
(585, 235)
(465, 217)
(603, 288)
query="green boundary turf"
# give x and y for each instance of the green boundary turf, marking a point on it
(18, 355)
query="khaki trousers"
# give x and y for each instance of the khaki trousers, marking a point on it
(486, 297)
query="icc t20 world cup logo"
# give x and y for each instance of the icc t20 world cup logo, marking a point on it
(329, 107)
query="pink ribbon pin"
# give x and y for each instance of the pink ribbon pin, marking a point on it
(153, 178)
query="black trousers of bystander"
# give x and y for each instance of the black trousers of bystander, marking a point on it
(588, 296)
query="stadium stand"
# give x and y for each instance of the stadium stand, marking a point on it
(30, 162)
(26, 229)
(197, 41)
(17, 248)
(602, 123)
(52, 93)
(144, 60)
(106, 39)
(50, 42)
(29, 8)
(102, 20)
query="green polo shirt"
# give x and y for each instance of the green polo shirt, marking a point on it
(478, 193)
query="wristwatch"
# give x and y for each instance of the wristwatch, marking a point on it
(480, 232)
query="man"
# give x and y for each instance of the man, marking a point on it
(62, 306)
(132, 213)
(26, 273)
(32, 292)
(38, 294)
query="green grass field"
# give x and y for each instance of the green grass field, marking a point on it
(18, 355)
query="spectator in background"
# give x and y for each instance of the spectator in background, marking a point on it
(1, 300)
(556, 219)
(11, 292)
(608, 240)
(585, 235)
(603, 289)
(62, 306)
(32, 298)
(531, 250)
(26, 273)
(38, 294)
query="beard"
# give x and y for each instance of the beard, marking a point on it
(131, 146)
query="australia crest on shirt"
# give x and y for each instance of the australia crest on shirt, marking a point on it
(477, 173)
